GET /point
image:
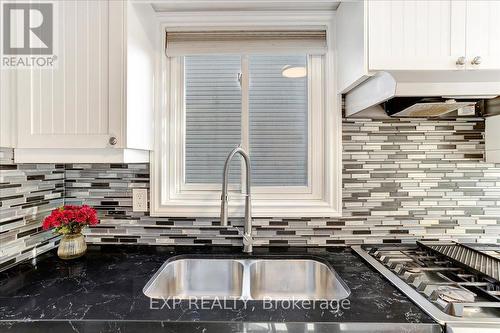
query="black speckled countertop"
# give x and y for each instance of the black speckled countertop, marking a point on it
(102, 292)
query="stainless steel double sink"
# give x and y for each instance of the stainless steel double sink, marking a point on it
(250, 279)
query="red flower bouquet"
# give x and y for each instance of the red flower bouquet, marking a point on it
(69, 220)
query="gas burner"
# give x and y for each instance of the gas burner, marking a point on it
(466, 290)
(403, 267)
(455, 294)
(413, 267)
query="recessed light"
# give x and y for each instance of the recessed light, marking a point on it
(294, 71)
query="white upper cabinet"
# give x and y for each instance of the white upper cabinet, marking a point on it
(483, 34)
(7, 131)
(93, 98)
(70, 106)
(416, 34)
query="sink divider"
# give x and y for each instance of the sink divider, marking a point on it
(246, 280)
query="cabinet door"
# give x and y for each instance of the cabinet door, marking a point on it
(70, 106)
(416, 35)
(483, 34)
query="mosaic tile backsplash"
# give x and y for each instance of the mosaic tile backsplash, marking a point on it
(403, 180)
(28, 192)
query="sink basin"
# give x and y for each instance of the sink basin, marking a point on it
(296, 279)
(251, 279)
(185, 278)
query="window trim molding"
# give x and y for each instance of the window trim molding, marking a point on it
(169, 200)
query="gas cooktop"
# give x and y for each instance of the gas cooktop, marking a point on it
(454, 283)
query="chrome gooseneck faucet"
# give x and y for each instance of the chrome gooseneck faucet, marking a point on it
(247, 235)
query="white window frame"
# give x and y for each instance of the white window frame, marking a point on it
(321, 198)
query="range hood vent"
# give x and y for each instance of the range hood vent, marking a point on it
(429, 107)
(389, 95)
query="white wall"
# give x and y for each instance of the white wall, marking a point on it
(142, 45)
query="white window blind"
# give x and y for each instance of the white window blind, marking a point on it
(277, 113)
(311, 41)
(278, 122)
(213, 116)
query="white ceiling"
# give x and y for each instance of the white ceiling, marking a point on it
(241, 5)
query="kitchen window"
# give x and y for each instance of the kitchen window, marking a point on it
(268, 114)
(260, 90)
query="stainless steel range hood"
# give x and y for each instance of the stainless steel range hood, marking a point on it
(425, 94)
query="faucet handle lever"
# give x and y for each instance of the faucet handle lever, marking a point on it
(247, 243)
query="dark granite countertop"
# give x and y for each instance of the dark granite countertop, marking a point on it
(102, 292)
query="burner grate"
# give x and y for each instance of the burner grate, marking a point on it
(452, 286)
(464, 255)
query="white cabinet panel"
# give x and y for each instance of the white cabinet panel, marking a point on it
(143, 41)
(416, 35)
(71, 106)
(483, 33)
(426, 37)
(7, 115)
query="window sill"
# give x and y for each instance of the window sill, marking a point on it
(260, 208)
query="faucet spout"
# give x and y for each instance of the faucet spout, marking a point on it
(247, 237)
